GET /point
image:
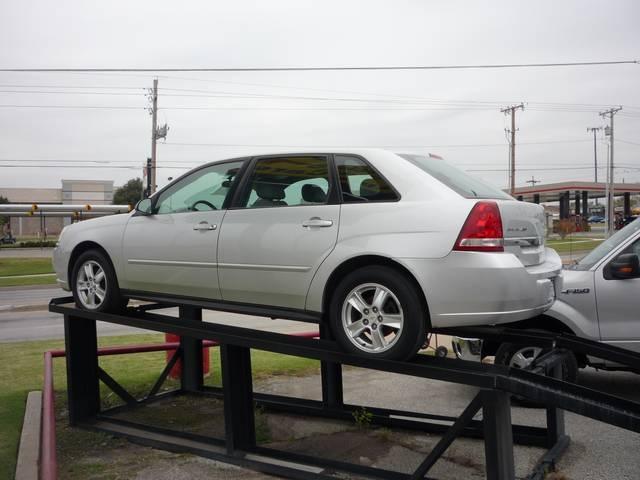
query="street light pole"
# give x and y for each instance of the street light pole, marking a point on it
(610, 180)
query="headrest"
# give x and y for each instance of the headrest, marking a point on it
(313, 193)
(369, 188)
(269, 191)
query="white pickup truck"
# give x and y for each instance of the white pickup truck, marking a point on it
(598, 298)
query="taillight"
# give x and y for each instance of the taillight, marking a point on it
(482, 231)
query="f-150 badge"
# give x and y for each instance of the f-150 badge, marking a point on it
(567, 291)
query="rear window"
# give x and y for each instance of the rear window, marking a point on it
(457, 180)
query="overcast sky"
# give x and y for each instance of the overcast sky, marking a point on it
(441, 111)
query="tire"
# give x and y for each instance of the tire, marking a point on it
(99, 280)
(507, 351)
(352, 304)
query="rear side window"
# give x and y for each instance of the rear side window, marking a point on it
(457, 180)
(361, 183)
(287, 182)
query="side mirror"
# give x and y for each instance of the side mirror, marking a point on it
(625, 266)
(144, 206)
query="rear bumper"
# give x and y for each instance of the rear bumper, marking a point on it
(477, 288)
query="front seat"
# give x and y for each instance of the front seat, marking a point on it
(369, 189)
(313, 193)
(269, 195)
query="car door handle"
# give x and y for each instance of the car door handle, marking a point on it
(317, 222)
(204, 226)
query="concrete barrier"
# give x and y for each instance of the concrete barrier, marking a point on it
(29, 451)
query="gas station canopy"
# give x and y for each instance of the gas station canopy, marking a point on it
(580, 191)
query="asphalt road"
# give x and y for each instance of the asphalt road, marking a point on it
(23, 296)
(40, 324)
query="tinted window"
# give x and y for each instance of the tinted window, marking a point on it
(457, 180)
(288, 181)
(360, 182)
(204, 189)
(608, 246)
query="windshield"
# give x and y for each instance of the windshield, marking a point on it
(457, 180)
(607, 246)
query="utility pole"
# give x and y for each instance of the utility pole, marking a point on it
(154, 127)
(156, 133)
(595, 153)
(512, 166)
(610, 217)
(148, 170)
(533, 181)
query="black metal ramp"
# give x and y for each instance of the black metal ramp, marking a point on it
(496, 384)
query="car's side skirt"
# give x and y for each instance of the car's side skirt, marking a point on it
(232, 307)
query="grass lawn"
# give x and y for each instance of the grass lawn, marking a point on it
(573, 245)
(21, 370)
(24, 266)
(15, 267)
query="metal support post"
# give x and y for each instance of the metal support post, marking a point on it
(627, 205)
(585, 203)
(555, 416)
(561, 201)
(192, 374)
(83, 387)
(576, 197)
(498, 435)
(331, 374)
(536, 198)
(239, 425)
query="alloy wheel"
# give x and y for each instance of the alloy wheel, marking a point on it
(91, 285)
(372, 317)
(524, 357)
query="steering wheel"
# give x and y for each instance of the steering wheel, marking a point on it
(193, 207)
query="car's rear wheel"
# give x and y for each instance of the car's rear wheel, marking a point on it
(94, 283)
(377, 311)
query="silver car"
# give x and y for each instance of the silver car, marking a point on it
(599, 300)
(381, 246)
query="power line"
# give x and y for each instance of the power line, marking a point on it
(629, 142)
(463, 145)
(538, 106)
(80, 107)
(70, 93)
(292, 87)
(331, 68)
(543, 169)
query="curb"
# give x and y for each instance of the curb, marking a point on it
(29, 450)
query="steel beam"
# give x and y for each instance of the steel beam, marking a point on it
(192, 374)
(331, 375)
(498, 437)
(239, 424)
(83, 388)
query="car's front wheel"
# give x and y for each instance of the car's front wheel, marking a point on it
(94, 283)
(377, 311)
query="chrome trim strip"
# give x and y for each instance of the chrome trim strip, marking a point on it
(277, 268)
(506, 312)
(524, 241)
(170, 263)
